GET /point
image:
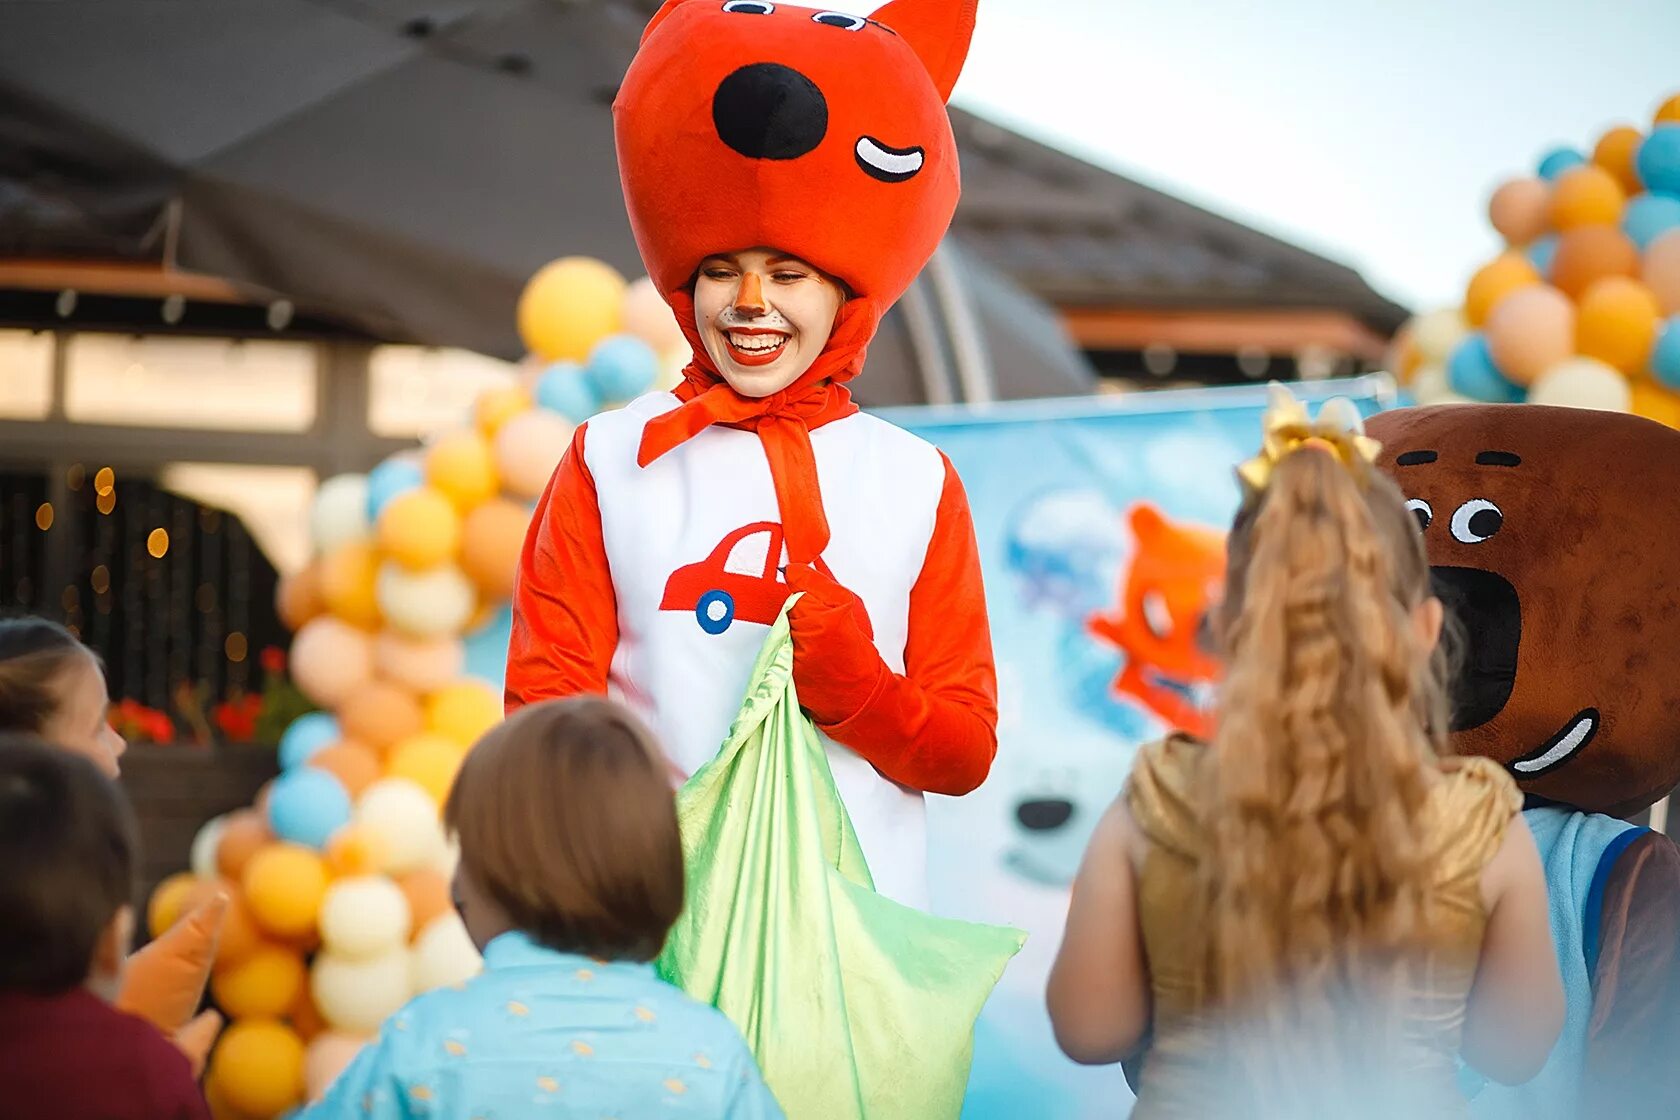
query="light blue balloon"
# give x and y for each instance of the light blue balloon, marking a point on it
(1650, 216)
(306, 735)
(486, 648)
(1665, 355)
(622, 368)
(1559, 160)
(1471, 373)
(564, 388)
(1540, 253)
(306, 806)
(1658, 161)
(392, 477)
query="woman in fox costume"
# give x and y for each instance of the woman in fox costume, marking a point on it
(787, 173)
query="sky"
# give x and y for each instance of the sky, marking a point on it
(1371, 131)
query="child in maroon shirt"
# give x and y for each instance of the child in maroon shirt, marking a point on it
(66, 877)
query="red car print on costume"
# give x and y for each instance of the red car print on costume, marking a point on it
(740, 580)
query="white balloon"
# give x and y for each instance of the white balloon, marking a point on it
(444, 954)
(430, 604)
(203, 857)
(364, 916)
(339, 513)
(1429, 386)
(404, 818)
(1435, 333)
(418, 664)
(1582, 382)
(357, 994)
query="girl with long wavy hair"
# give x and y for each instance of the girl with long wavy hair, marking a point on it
(1316, 913)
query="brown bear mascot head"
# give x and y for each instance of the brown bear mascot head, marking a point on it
(1554, 538)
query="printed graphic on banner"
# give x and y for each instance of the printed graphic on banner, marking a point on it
(1101, 527)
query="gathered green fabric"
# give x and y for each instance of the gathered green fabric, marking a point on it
(856, 1007)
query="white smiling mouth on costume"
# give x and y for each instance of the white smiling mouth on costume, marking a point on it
(891, 164)
(1563, 746)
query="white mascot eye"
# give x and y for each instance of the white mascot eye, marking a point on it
(1476, 520)
(841, 20)
(750, 7)
(1420, 510)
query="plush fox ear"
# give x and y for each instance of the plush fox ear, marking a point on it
(665, 9)
(937, 30)
(1147, 522)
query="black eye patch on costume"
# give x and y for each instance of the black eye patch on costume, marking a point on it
(1498, 459)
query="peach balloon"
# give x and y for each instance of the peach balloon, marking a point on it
(1615, 151)
(427, 891)
(1493, 282)
(1654, 402)
(1661, 271)
(327, 1056)
(331, 660)
(1531, 331)
(1618, 323)
(1518, 209)
(244, 832)
(381, 713)
(355, 766)
(528, 448)
(1585, 196)
(298, 597)
(491, 540)
(419, 664)
(347, 583)
(1589, 254)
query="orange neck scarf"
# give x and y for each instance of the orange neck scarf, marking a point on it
(782, 420)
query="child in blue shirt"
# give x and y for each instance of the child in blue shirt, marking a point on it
(570, 878)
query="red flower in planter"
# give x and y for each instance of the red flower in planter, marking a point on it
(237, 718)
(272, 659)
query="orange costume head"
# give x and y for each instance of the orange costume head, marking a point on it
(1550, 535)
(754, 124)
(1162, 625)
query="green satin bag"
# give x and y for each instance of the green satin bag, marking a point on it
(856, 1007)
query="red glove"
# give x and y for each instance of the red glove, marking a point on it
(836, 667)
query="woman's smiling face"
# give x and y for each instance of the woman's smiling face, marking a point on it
(764, 316)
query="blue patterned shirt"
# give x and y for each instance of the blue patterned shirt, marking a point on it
(543, 1034)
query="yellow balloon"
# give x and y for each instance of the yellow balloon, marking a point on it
(1668, 112)
(569, 306)
(258, 1067)
(1654, 402)
(463, 711)
(429, 760)
(1588, 195)
(462, 466)
(1615, 152)
(1617, 323)
(419, 529)
(263, 985)
(283, 888)
(497, 406)
(168, 901)
(1493, 282)
(348, 576)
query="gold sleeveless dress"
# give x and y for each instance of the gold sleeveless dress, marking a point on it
(1466, 818)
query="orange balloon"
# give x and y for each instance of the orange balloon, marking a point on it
(264, 985)
(244, 831)
(1618, 323)
(1587, 195)
(1493, 282)
(1518, 209)
(1589, 254)
(1615, 151)
(240, 936)
(381, 713)
(305, 1017)
(1654, 402)
(298, 597)
(349, 579)
(1661, 271)
(491, 539)
(1531, 331)
(355, 850)
(427, 892)
(497, 405)
(1668, 112)
(355, 766)
(1402, 357)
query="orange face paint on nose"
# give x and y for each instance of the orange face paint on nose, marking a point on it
(750, 296)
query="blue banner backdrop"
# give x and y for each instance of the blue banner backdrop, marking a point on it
(1054, 487)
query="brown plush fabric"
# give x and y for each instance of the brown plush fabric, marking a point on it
(1555, 538)
(1630, 1066)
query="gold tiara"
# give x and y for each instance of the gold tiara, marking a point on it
(1288, 427)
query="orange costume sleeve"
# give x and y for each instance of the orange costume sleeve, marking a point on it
(934, 727)
(565, 613)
